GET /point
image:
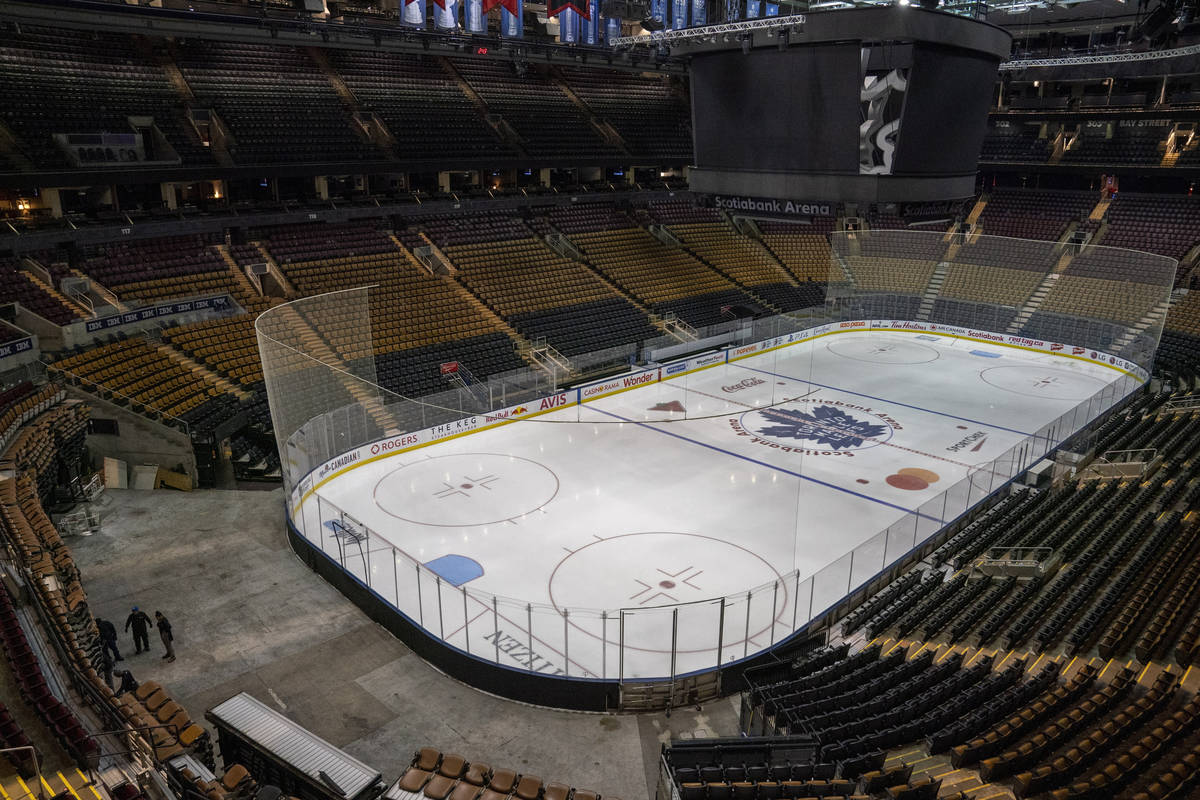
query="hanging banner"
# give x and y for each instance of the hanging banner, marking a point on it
(476, 19)
(589, 28)
(612, 29)
(699, 13)
(511, 25)
(679, 14)
(772, 10)
(658, 10)
(445, 14)
(753, 9)
(568, 26)
(581, 8)
(414, 13)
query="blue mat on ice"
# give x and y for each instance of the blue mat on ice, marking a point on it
(455, 569)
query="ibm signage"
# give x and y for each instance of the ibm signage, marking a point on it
(16, 347)
(215, 304)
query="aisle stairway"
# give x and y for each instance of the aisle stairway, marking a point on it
(202, 372)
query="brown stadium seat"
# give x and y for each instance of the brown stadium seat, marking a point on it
(234, 777)
(156, 700)
(191, 734)
(500, 786)
(452, 768)
(473, 781)
(425, 761)
(148, 688)
(528, 788)
(477, 773)
(167, 710)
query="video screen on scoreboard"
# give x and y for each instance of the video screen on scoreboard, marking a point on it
(790, 110)
(945, 112)
(896, 109)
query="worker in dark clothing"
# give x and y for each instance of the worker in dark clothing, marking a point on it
(141, 629)
(128, 682)
(106, 668)
(108, 638)
(164, 632)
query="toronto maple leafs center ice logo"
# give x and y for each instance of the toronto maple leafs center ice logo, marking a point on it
(825, 425)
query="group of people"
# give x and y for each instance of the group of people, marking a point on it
(139, 622)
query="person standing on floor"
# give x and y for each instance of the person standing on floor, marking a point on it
(164, 632)
(108, 638)
(141, 629)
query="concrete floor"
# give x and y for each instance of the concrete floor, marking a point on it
(249, 616)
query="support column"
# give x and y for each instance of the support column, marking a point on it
(444, 182)
(321, 187)
(52, 200)
(544, 177)
(168, 195)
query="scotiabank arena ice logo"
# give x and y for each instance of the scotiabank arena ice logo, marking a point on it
(816, 426)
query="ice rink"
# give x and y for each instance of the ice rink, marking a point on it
(753, 475)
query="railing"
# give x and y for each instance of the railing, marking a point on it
(1020, 561)
(36, 758)
(1182, 405)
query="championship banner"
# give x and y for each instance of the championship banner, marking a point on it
(612, 29)
(658, 10)
(512, 26)
(413, 13)
(679, 14)
(568, 25)
(753, 8)
(445, 14)
(699, 13)
(476, 18)
(556, 7)
(589, 26)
